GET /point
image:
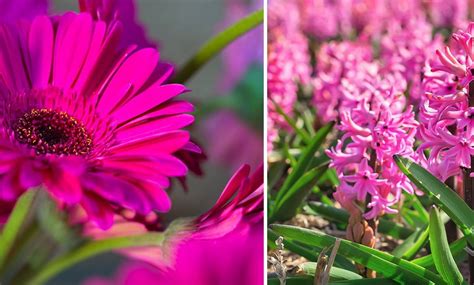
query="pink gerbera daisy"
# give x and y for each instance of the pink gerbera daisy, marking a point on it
(92, 123)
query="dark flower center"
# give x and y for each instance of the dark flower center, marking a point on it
(49, 131)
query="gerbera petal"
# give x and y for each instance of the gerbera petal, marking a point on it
(98, 211)
(154, 125)
(155, 144)
(40, 45)
(63, 185)
(94, 50)
(135, 71)
(116, 190)
(66, 43)
(147, 100)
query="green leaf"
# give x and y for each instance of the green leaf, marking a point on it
(456, 248)
(341, 216)
(275, 172)
(309, 268)
(95, 247)
(14, 224)
(413, 244)
(292, 280)
(303, 163)
(308, 280)
(390, 266)
(217, 44)
(366, 281)
(310, 254)
(441, 195)
(286, 207)
(299, 131)
(442, 256)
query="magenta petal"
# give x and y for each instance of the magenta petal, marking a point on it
(135, 71)
(153, 126)
(40, 44)
(69, 51)
(116, 190)
(29, 176)
(155, 144)
(147, 100)
(160, 200)
(64, 186)
(232, 186)
(98, 211)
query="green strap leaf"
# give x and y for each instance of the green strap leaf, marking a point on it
(217, 44)
(308, 280)
(390, 266)
(441, 195)
(302, 166)
(300, 131)
(309, 268)
(413, 244)
(286, 207)
(443, 259)
(456, 248)
(310, 254)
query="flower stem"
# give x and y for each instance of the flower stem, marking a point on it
(469, 188)
(217, 44)
(96, 247)
(14, 224)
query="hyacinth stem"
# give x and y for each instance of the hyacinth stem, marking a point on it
(468, 183)
(370, 224)
(217, 44)
(451, 227)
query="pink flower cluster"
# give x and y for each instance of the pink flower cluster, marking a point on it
(324, 19)
(373, 133)
(375, 125)
(341, 65)
(447, 109)
(405, 47)
(288, 65)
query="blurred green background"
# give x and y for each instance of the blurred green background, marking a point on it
(180, 27)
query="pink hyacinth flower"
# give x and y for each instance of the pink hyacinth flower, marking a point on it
(95, 124)
(445, 113)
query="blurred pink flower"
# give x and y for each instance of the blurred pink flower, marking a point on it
(12, 11)
(124, 11)
(238, 59)
(407, 53)
(246, 51)
(237, 136)
(288, 65)
(92, 123)
(448, 13)
(234, 226)
(337, 65)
